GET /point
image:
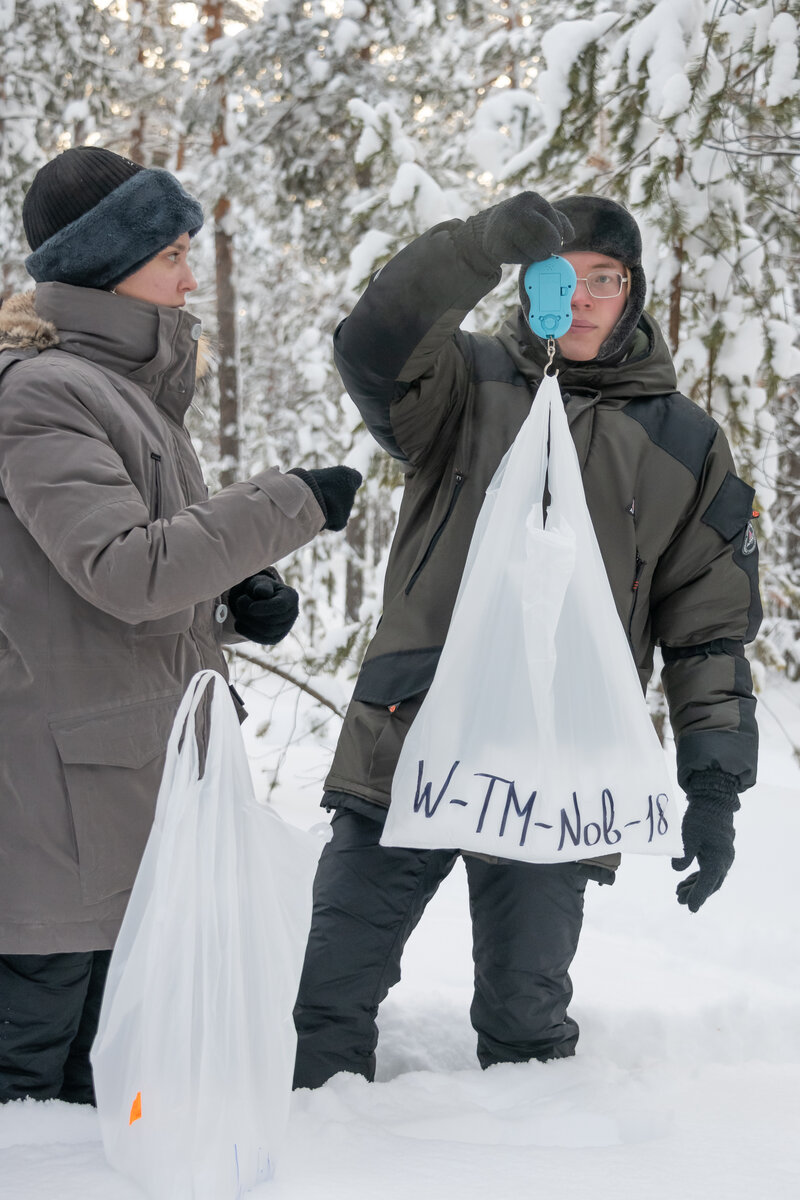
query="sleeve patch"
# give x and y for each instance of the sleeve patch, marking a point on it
(390, 678)
(730, 511)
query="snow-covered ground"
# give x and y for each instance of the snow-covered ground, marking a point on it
(687, 1079)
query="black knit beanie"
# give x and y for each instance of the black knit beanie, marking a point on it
(607, 228)
(92, 217)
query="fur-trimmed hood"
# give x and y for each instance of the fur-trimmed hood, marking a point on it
(21, 327)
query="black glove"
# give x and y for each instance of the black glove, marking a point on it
(707, 833)
(334, 490)
(524, 229)
(264, 608)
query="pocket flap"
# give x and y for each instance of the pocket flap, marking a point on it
(389, 678)
(129, 735)
(731, 508)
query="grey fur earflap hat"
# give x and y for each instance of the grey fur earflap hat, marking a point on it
(92, 217)
(606, 227)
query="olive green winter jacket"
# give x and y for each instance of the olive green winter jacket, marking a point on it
(672, 518)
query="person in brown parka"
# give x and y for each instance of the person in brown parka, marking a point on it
(119, 579)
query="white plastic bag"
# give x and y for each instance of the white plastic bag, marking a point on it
(534, 741)
(194, 1053)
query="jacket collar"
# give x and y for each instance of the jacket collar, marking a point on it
(151, 345)
(646, 370)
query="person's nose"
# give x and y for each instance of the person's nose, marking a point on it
(188, 283)
(581, 297)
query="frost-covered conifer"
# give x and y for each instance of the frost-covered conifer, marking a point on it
(62, 77)
(688, 111)
(332, 132)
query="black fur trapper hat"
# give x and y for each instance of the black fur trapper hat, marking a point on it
(92, 217)
(608, 228)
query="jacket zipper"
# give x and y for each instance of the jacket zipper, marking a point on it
(459, 479)
(635, 589)
(156, 484)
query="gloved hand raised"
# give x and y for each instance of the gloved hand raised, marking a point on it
(707, 832)
(334, 489)
(264, 608)
(522, 229)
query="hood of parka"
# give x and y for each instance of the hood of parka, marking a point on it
(159, 348)
(21, 327)
(646, 370)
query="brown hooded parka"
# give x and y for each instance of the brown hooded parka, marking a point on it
(113, 566)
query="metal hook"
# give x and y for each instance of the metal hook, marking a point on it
(551, 353)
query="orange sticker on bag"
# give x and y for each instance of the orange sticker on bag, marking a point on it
(136, 1109)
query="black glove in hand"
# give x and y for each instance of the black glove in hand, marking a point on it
(334, 489)
(523, 229)
(264, 608)
(707, 832)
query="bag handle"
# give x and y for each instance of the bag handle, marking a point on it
(523, 470)
(192, 699)
(182, 751)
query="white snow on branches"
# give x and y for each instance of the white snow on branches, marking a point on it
(561, 46)
(666, 40)
(373, 246)
(783, 82)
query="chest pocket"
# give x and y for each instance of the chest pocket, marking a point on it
(156, 503)
(165, 491)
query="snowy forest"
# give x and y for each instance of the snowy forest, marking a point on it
(322, 135)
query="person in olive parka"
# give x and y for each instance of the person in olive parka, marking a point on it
(673, 522)
(119, 579)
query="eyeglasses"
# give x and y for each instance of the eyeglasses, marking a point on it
(603, 285)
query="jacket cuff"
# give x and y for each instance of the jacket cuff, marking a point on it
(310, 482)
(713, 789)
(290, 495)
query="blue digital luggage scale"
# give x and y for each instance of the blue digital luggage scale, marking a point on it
(550, 284)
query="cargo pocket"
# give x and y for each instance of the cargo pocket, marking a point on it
(389, 742)
(391, 688)
(112, 762)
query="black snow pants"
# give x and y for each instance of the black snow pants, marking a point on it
(526, 921)
(49, 1011)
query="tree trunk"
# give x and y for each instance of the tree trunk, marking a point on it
(229, 443)
(676, 283)
(226, 333)
(356, 538)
